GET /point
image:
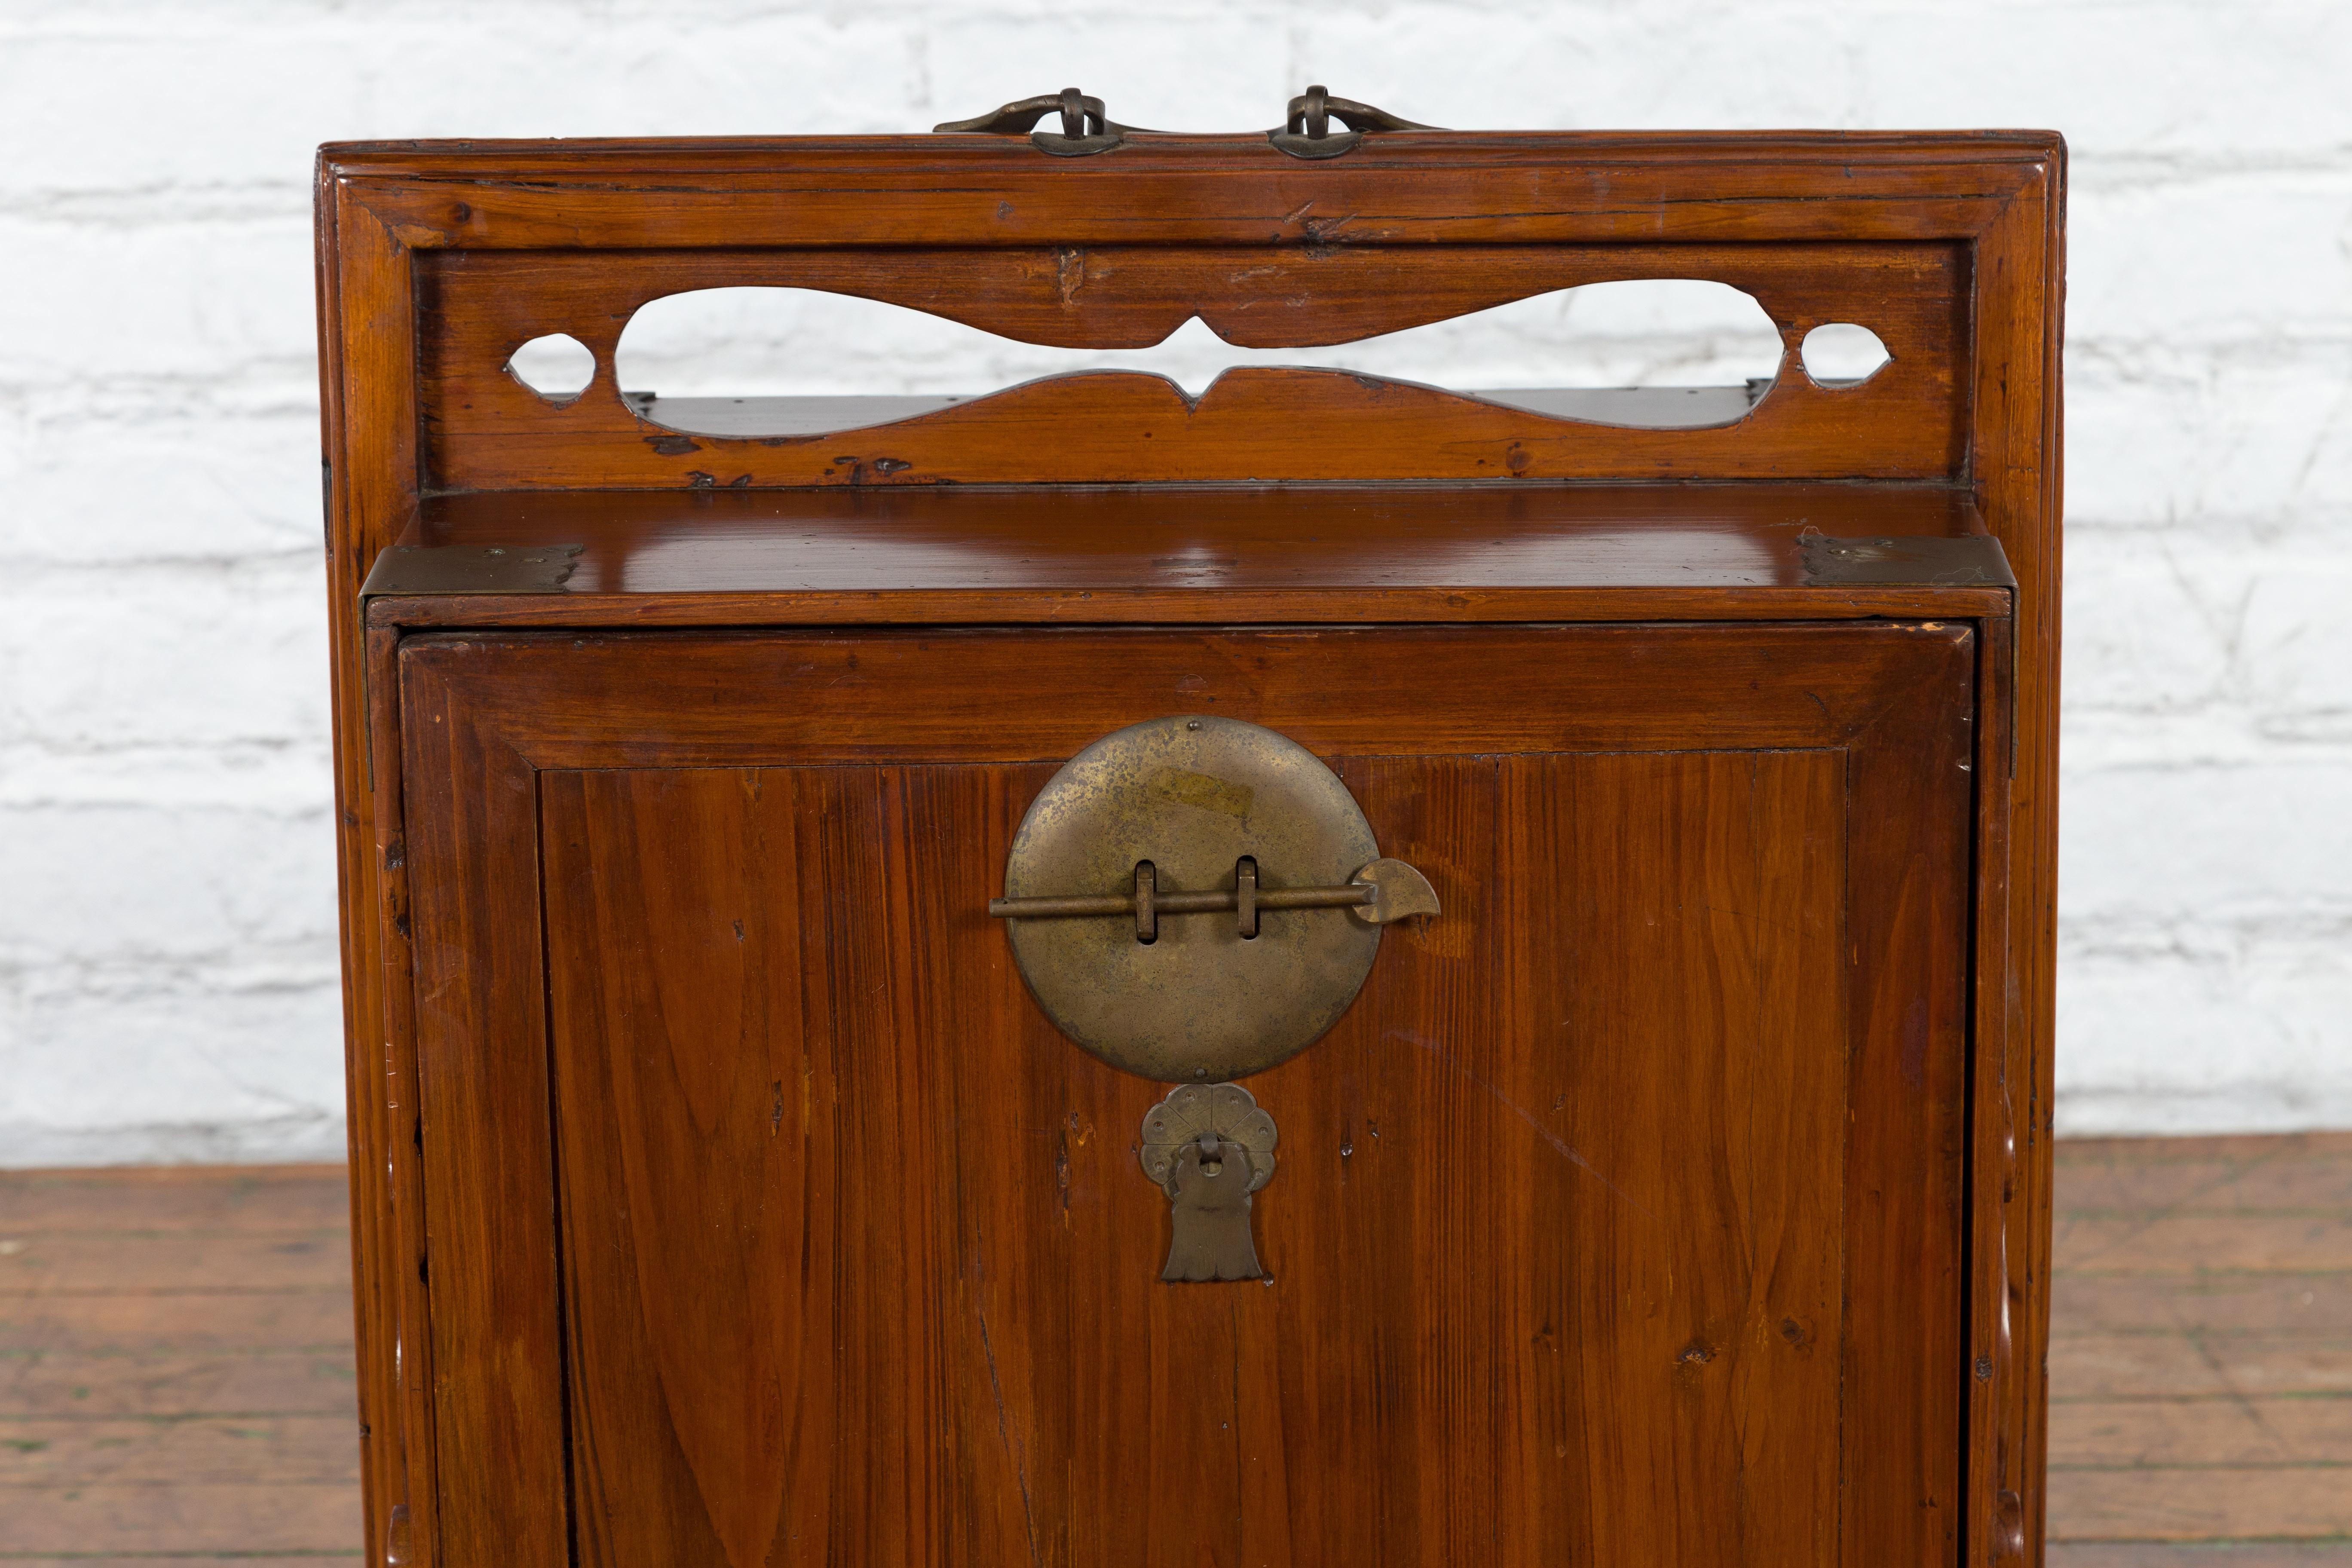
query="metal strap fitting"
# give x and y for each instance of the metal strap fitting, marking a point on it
(1307, 134)
(1087, 128)
(1383, 892)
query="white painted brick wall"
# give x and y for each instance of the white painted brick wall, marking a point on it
(167, 956)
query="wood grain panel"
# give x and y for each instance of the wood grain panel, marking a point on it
(488, 1252)
(1908, 984)
(1695, 1279)
(2015, 446)
(1088, 606)
(1458, 187)
(911, 1306)
(1161, 554)
(680, 1172)
(1207, 540)
(1132, 296)
(861, 1269)
(605, 700)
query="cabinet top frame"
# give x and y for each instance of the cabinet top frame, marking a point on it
(499, 242)
(437, 257)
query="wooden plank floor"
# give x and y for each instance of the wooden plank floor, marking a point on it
(177, 1356)
(175, 1367)
(2200, 1366)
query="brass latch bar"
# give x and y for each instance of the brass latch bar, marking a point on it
(1383, 892)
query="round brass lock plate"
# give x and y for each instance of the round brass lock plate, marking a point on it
(1193, 795)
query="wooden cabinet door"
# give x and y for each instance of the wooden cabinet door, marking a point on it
(769, 1223)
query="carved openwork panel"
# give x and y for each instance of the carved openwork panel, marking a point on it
(486, 430)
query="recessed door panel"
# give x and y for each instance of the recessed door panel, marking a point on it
(1617, 1220)
(861, 1267)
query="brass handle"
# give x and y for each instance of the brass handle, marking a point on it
(1306, 132)
(1382, 892)
(1088, 128)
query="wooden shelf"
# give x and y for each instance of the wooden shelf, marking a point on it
(1189, 552)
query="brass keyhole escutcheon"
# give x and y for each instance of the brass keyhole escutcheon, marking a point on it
(1209, 1148)
(1197, 899)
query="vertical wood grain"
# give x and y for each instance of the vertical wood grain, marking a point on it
(2016, 462)
(860, 1267)
(389, 1251)
(684, 1162)
(1909, 905)
(368, 390)
(1681, 921)
(491, 1249)
(1619, 1219)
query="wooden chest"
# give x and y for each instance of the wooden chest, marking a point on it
(726, 1192)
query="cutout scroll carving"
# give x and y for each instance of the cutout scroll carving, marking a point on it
(483, 430)
(1840, 355)
(770, 362)
(557, 366)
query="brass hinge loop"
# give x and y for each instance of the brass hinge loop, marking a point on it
(1307, 134)
(1088, 128)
